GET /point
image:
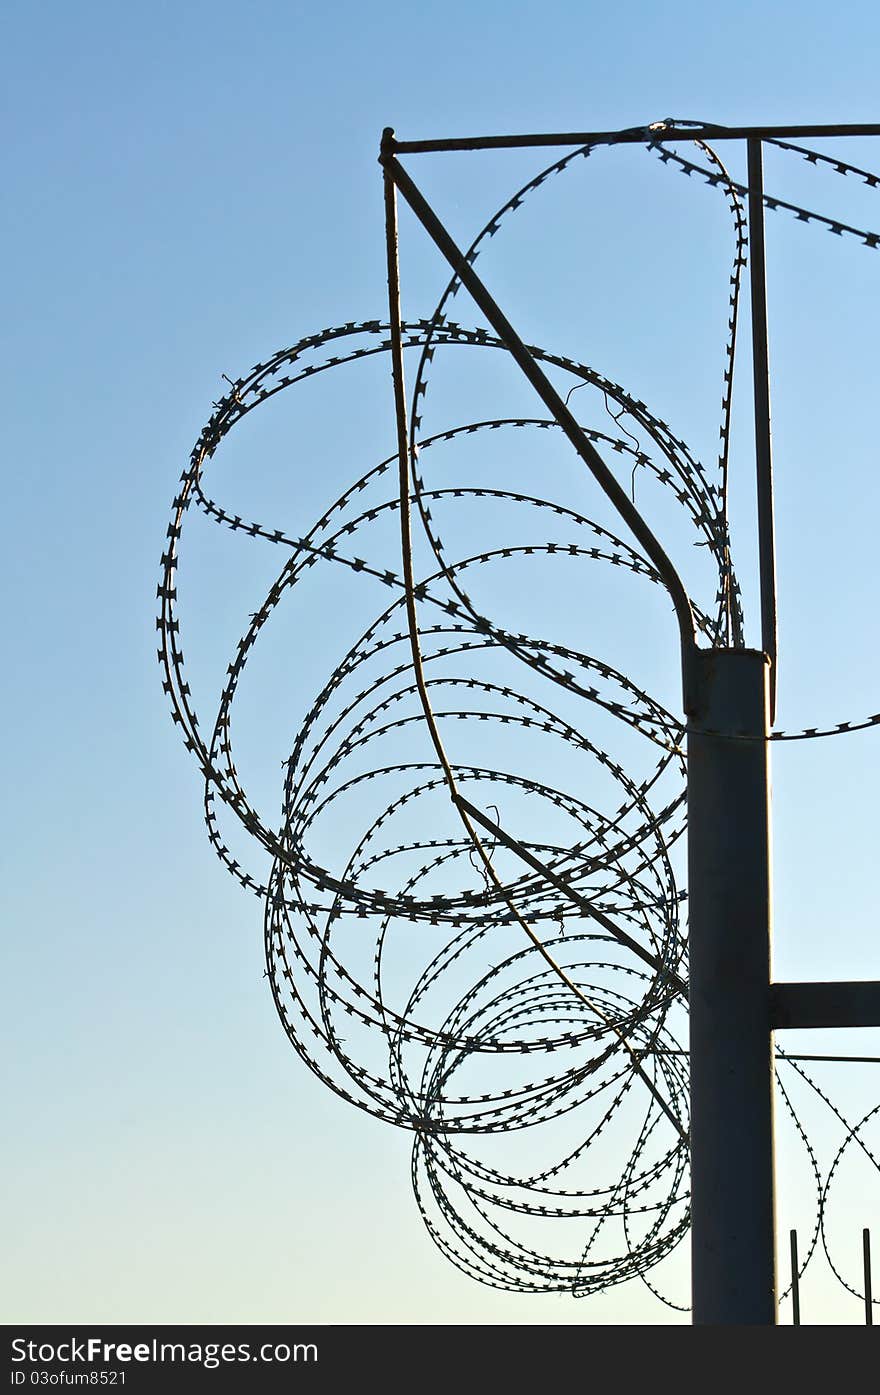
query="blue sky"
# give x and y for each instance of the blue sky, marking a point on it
(190, 187)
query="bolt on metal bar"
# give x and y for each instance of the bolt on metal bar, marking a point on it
(761, 379)
(656, 131)
(795, 1281)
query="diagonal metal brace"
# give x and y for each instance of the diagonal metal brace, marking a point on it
(527, 362)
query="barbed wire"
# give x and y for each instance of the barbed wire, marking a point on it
(432, 974)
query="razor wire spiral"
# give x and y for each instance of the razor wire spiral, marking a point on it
(542, 1074)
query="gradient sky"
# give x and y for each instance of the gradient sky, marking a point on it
(188, 188)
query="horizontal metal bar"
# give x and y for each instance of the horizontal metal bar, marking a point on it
(632, 136)
(847, 1060)
(844, 1004)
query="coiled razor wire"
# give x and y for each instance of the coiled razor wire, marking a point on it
(504, 972)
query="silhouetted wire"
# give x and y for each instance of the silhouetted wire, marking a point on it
(561, 953)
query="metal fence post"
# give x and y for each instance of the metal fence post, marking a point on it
(733, 1230)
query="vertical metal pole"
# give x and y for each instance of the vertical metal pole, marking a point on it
(761, 378)
(869, 1298)
(733, 1223)
(795, 1282)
